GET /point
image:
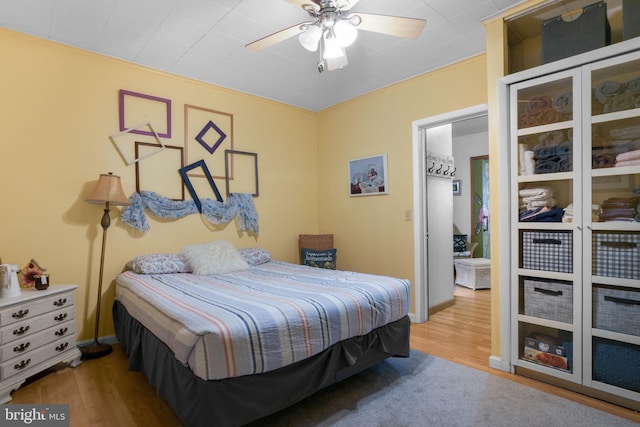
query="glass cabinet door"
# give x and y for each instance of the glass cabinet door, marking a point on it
(546, 153)
(612, 237)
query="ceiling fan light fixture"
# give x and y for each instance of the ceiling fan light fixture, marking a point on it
(332, 48)
(345, 32)
(310, 38)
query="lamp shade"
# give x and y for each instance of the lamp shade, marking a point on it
(109, 189)
(346, 33)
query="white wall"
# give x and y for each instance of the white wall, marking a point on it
(465, 147)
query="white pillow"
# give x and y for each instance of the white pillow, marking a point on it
(215, 257)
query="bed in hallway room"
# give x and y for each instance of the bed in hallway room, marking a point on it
(234, 346)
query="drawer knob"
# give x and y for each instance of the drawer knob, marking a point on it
(61, 332)
(22, 364)
(20, 314)
(22, 347)
(22, 330)
(62, 347)
(61, 317)
(60, 302)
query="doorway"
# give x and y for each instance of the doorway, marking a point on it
(421, 209)
(479, 167)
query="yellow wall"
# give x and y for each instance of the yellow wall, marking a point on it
(370, 232)
(58, 107)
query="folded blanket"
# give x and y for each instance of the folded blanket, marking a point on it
(540, 193)
(547, 166)
(629, 155)
(546, 203)
(543, 215)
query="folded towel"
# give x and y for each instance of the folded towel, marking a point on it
(632, 132)
(635, 162)
(632, 86)
(529, 162)
(607, 89)
(551, 138)
(602, 160)
(629, 155)
(565, 164)
(620, 102)
(563, 102)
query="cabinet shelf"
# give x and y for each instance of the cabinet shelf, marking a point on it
(616, 336)
(615, 171)
(523, 318)
(545, 128)
(616, 281)
(543, 274)
(618, 115)
(543, 369)
(541, 177)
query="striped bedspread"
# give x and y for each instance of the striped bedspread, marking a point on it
(260, 319)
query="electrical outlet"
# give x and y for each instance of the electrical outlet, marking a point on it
(407, 215)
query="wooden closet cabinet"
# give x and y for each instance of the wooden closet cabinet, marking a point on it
(573, 137)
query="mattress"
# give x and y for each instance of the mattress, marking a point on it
(261, 319)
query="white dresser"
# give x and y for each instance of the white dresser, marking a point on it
(37, 331)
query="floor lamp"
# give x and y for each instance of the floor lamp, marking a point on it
(108, 191)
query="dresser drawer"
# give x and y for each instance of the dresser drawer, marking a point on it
(33, 325)
(29, 309)
(31, 359)
(31, 342)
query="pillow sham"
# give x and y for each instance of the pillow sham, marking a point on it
(217, 257)
(159, 264)
(325, 258)
(255, 256)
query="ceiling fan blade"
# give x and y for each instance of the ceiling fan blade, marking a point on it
(300, 3)
(409, 28)
(277, 37)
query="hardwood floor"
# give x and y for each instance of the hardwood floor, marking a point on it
(102, 392)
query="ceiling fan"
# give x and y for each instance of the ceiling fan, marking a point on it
(334, 27)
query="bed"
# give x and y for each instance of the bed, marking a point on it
(231, 347)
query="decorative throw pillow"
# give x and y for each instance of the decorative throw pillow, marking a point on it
(159, 264)
(325, 258)
(217, 257)
(255, 256)
(459, 242)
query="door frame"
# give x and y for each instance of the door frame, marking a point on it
(421, 290)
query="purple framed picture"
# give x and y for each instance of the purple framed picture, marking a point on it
(138, 107)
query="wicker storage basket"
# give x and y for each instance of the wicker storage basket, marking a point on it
(547, 250)
(616, 309)
(616, 254)
(549, 300)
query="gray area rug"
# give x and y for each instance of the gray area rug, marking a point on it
(423, 390)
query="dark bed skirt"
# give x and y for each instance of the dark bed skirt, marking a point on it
(238, 401)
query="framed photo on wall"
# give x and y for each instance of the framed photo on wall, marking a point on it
(456, 187)
(368, 176)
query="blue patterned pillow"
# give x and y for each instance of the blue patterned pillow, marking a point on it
(325, 258)
(159, 264)
(255, 256)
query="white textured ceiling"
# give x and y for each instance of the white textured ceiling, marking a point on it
(205, 39)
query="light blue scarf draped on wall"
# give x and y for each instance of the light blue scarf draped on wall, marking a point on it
(239, 206)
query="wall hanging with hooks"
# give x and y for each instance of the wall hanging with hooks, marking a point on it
(440, 165)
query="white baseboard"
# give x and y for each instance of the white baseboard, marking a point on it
(496, 362)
